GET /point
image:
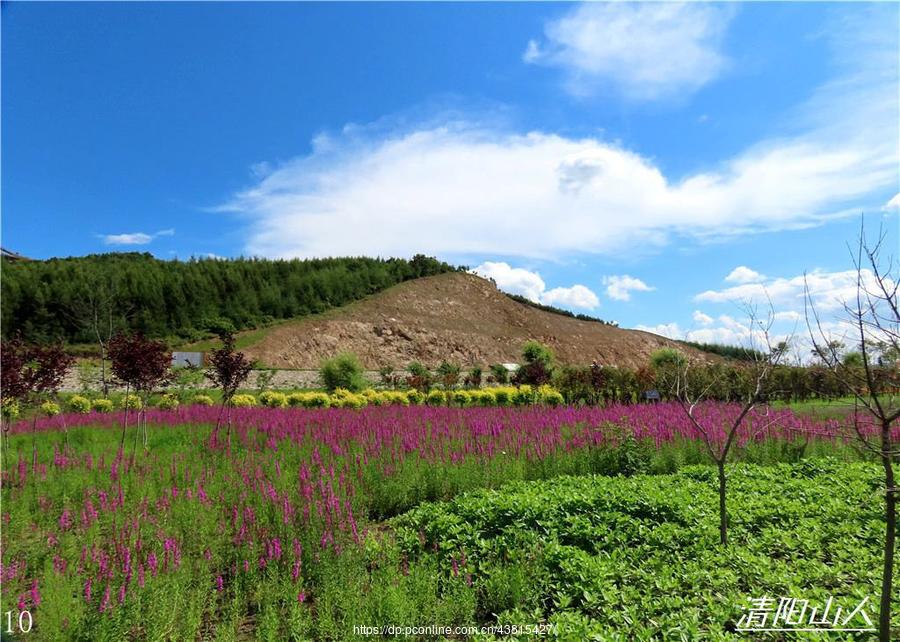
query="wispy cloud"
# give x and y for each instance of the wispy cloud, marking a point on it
(530, 285)
(620, 287)
(134, 238)
(644, 51)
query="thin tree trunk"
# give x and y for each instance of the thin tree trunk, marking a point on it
(890, 518)
(137, 431)
(124, 420)
(103, 382)
(33, 445)
(723, 513)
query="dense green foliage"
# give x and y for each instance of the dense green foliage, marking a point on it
(731, 352)
(51, 299)
(343, 371)
(637, 559)
(722, 381)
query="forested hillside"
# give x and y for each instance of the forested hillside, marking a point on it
(66, 298)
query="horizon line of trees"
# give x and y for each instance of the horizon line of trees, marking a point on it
(76, 299)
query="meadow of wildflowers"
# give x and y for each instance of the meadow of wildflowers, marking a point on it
(274, 526)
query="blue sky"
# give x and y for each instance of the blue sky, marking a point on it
(622, 160)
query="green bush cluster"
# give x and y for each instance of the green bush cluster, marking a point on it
(131, 402)
(168, 402)
(50, 408)
(273, 399)
(309, 400)
(102, 405)
(9, 408)
(202, 400)
(243, 401)
(343, 372)
(79, 404)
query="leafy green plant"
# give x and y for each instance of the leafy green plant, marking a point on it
(50, 408)
(273, 399)
(243, 401)
(79, 404)
(343, 371)
(202, 400)
(103, 405)
(168, 402)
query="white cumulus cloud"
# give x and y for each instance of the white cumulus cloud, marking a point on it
(577, 296)
(829, 291)
(620, 287)
(743, 274)
(701, 318)
(513, 280)
(644, 51)
(530, 285)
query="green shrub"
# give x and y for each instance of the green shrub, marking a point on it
(243, 401)
(102, 405)
(168, 402)
(461, 397)
(485, 398)
(499, 373)
(523, 396)
(503, 396)
(343, 371)
(415, 397)
(436, 398)
(372, 397)
(9, 408)
(308, 400)
(296, 399)
(273, 399)
(395, 398)
(79, 404)
(537, 352)
(50, 409)
(132, 402)
(343, 398)
(202, 400)
(549, 396)
(419, 376)
(315, 400)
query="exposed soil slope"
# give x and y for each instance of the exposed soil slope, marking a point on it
(458, 317)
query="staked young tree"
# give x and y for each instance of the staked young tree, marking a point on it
(690, 386)
(228, 369)
(143, 365)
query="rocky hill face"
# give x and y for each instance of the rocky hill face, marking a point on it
(456, 317)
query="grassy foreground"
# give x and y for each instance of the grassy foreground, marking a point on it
(315, 522)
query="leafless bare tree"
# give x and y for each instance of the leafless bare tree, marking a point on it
(690, 391)
(872, 319)
(102, 313)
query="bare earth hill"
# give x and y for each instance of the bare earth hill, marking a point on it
(458, 317)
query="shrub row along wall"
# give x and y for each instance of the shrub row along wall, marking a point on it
(488, 397)
(720, 382)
